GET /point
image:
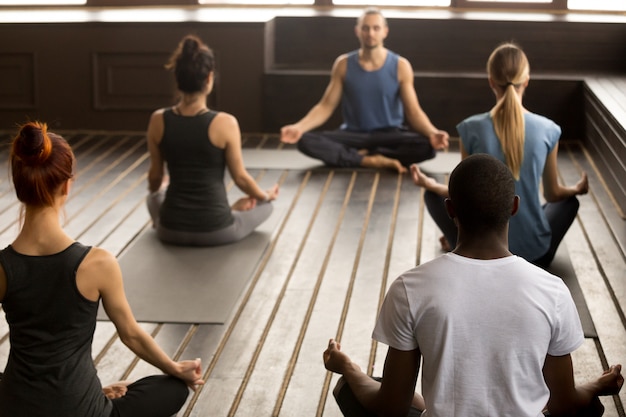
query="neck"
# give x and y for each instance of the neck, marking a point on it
(192, 104)
(41, 233)
(376, 52)
(372, 58)
(489, 245)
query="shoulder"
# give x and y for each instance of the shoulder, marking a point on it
(473, 121)
(224, 130)
(223, 120)
(404, 69)
(341, 62)
(98, 261)
(156, 125)
(541, 121)
(157, 115)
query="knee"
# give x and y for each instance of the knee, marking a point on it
(305, 142)
(179, 390)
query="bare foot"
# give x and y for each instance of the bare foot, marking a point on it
(244, 204)
(381, 161)
(445, 247)
(116, 390)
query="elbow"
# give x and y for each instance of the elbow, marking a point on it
(154, 182)
(552, 195)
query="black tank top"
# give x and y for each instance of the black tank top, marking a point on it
(195, 200)
(50, 371)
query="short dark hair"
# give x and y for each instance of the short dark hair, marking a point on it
(482, 190)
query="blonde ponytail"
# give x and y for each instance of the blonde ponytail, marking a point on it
(508, 69)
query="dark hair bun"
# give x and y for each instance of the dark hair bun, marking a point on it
(32, 144)
(190, 48)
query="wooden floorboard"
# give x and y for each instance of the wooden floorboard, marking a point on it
(343, 237)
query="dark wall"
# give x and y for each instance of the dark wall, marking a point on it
(110, 76)
(449, 58)
(458, 43)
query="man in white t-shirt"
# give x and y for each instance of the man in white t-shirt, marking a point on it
(495, 332)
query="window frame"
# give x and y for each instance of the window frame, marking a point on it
(557, 6)
(553, 5)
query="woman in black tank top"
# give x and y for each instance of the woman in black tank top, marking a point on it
(50, 290)
(190, 206)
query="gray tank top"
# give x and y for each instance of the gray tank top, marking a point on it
(196, 199)
(50, 371)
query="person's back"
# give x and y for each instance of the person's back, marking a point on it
(50, 370)
(483, 328)
(196, 199)
(529, 230)
(528, 144)
(495, 333)
(195, 145)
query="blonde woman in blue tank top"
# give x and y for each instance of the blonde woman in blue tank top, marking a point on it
(190, 206)
(528, 143)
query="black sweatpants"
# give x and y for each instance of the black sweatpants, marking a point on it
(340, 148)
(152, 396)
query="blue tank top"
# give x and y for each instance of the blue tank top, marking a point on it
(50, 371)
(371, 99)
(529, 231)
(196, 199)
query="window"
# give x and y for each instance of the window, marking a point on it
(559, 5)
(608, 5)
(442, 3)
(514, 4)
(258, 2)
(41, 2)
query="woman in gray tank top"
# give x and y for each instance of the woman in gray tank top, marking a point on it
(50, 290)
(190, 206)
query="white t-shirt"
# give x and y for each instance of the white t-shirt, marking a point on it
(484, 328)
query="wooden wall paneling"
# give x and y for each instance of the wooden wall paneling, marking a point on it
(18, 80)
(130, 81)
(457, 44)
(447, 99)
(605, 140)
(74, 93)
(288, 96)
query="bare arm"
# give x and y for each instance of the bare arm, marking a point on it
(99, 275)
(416, 117)
(566, 399)
(3, 284)
(224, 133)
(394, 395)
(323, 109)
(154, 135)
(552, 189)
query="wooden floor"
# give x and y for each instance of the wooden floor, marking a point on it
(345, 236)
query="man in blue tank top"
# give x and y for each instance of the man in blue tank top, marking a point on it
(375, 88)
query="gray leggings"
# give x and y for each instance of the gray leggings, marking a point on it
(245, 222)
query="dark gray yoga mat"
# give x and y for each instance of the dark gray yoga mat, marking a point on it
(562, 267)
(175, 284)
(278, 159)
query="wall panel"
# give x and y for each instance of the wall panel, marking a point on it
(18, 83)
